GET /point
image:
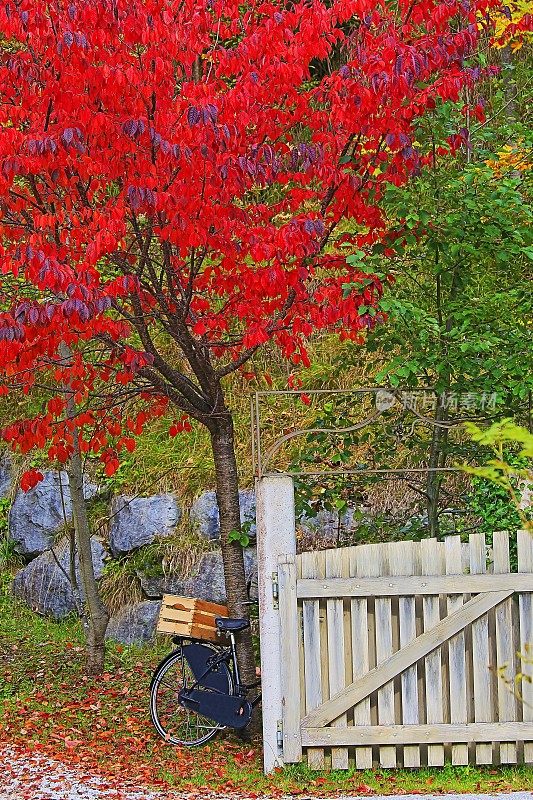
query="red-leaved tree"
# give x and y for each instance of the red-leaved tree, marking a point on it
(173, 176)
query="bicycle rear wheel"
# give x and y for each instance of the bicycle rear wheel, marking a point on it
(174, 723)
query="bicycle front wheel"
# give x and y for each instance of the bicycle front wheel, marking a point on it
(174, 723)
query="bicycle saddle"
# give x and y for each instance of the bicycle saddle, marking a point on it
(231, 625)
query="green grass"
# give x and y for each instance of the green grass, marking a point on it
(48, 703)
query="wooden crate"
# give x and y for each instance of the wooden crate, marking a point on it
(189, 616)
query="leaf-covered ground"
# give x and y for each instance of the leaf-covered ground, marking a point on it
(101, 725)
(32, 776)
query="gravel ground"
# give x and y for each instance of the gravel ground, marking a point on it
(35, 777)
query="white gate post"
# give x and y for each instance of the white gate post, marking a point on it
(276, 536)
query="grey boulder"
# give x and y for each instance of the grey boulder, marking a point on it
(136, 521)
(208, 581)
(205, 517)
(134, 624)
(325, 528)
(36, 515)
(44, 584)
(5, 475)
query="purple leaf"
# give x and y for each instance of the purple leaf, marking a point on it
(20, 312)
(130, 127)
(134, 197)
(193, 116)
(213, 111)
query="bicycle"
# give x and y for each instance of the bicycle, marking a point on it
(196, 690)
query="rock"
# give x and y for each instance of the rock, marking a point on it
(208, 581)
(36, 515)
(137, 521)
(250, 566)
(134, 624)
(205, 517)
(208, 584)
(43, 585)
(324, 528)
(247, 507)
(5, 475)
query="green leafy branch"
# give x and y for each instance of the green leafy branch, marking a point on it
(498, 437)
(241, 536)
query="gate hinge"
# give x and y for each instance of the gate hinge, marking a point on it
(275, 590)
(279, 734)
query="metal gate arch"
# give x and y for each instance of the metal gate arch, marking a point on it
(390, 653)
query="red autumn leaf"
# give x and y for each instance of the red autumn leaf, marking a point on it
(30, 479)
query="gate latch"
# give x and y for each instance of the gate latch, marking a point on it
(275, 590)
(279, 734)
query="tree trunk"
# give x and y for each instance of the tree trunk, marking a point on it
(439, 436)
(227, 491)
(509, 84)
(434, 479)
(97, 616)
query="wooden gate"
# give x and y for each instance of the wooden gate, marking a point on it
(406, 653)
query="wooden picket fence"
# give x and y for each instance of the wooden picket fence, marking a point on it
(408, 654)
